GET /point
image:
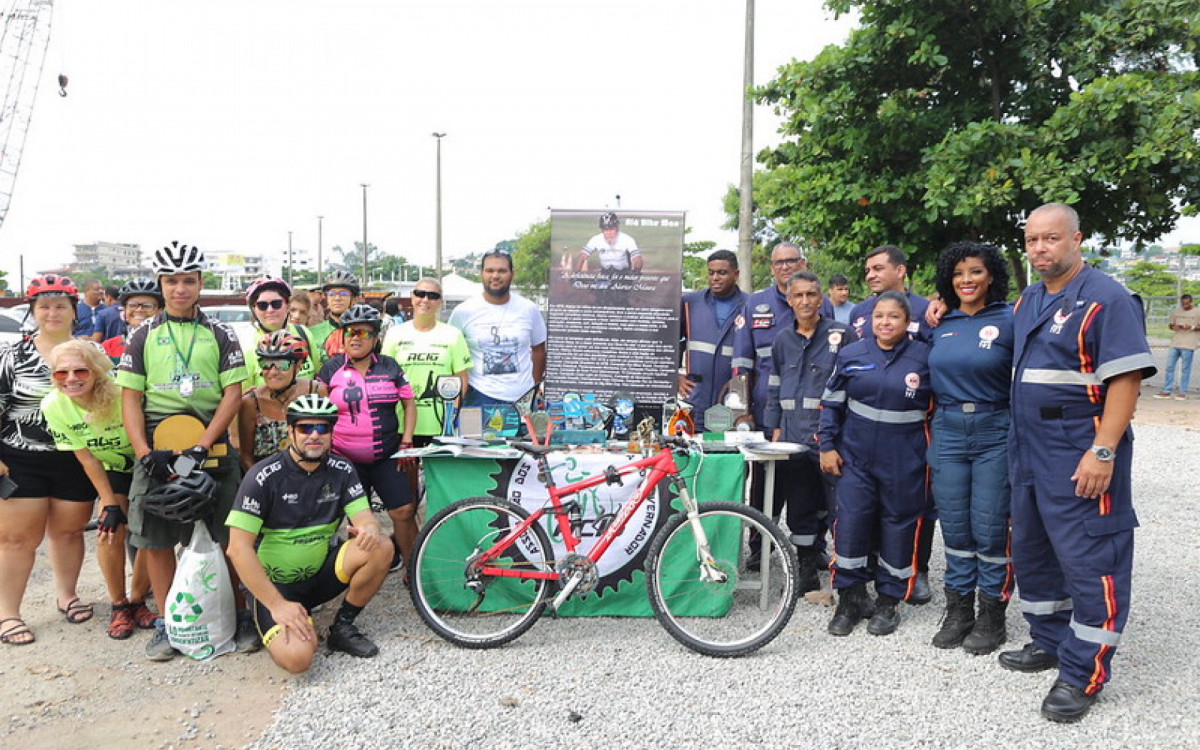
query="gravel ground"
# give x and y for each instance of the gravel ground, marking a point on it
(625, 683)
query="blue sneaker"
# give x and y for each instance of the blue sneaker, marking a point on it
(159, 648)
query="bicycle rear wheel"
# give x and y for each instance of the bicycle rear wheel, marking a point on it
(743, 611)
(453, 595)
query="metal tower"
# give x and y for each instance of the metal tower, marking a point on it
(23, 42)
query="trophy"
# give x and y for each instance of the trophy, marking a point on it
(449, 387)
(737, 399)
(718, 418)
(677, 418)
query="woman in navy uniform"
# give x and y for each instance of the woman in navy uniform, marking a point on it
(873, 433)
(971, 371)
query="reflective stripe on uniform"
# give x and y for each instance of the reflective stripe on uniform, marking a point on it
(1046, 608)
(811, 403)
(1133, 362)
(787, 404)
(995, 560)
(1098, 636)
(1059, 377)
(886, 416)
(726, 351)
(850, 563)
(743, 363)
(701, 346)
(763, 352)
(959, 552)
(836, 397)
(773, 380)
(902, 573)
(804, 540)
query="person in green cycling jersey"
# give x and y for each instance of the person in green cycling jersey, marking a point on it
(83, 413)
(289, 506)
(340, 290)
(268, 298)
(181, 362)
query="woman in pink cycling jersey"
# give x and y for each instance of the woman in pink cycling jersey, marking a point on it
(366, 387)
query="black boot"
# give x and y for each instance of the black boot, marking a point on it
(808, 580)
(957, 620)
(854, 605)
(887, 616)
(990, 627)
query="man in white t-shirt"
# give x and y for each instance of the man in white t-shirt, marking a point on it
(616, 250)
(506, 335)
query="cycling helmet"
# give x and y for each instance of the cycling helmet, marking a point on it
(177, 258)
(311, 406)
(361, 313)
(341, 280)
(183, 499)
(52, 285)
(282, 344)
(267, 282)
(609, 220)
(141, 286)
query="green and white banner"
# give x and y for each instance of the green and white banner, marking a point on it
(621, 589)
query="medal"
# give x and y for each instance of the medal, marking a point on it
(187, 385)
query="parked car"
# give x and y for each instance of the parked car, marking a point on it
(13, 323)
(237, 316)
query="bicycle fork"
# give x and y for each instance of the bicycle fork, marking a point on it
(710, 572)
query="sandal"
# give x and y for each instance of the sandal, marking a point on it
(121, 625)
(143, 616)
(15, 635)
(77, 612)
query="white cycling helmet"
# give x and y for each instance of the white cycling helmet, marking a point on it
(177, 258)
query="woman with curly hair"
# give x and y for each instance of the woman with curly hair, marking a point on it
(971, 370)
(84, 416)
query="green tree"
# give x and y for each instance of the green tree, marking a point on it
(695, 265)
(531, 256)
(941, 120)
(1150, 279)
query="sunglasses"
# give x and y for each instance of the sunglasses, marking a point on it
(308, 428)
(423, 294)
(338, 293)
(359, 333)
(283, 365)
(274, 304)
(80, 373)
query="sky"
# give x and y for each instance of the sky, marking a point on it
(227, 124)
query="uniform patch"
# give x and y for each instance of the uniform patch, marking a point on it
(912, 381)
(762, 308)
(739, 322)
(987, 335)
(1060, 318)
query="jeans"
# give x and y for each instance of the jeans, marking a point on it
(1184, 356)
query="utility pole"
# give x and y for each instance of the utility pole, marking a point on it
(320, 266)
(438, 242)
(746, 183)
(364, 278)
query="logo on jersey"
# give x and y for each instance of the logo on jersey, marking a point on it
(739, 322)
(1060, 318)
(987, 335)
(912, 381)
(835, 340)
(250, 505)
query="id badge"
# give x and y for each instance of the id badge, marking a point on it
(186, 386)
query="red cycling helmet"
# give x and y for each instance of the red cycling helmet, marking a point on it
(53, 285)
(267, 282)
(282, 344)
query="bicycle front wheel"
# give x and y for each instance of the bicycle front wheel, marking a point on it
(738, 601)
(456, 596)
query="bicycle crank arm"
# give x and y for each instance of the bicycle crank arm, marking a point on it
(567, 589)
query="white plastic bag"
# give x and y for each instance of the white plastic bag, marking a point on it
(200, 615)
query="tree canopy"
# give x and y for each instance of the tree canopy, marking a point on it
(941, 120)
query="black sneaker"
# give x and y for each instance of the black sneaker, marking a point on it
(347, 638)
(397, 562)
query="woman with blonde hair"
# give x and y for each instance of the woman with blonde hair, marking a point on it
(84, 416)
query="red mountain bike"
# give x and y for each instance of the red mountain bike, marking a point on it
(721, 576)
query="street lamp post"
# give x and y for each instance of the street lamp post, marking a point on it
(291, 282)
(438, 242)
(364, 278)
(320, 266)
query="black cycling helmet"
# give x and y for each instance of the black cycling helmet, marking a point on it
(361, 313)
(282, 344)
(312, 406)
(176, 258)
(141, 286)
(183, 499)
(609, 220)
(341, 280)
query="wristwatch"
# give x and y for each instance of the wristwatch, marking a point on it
(1103, 453)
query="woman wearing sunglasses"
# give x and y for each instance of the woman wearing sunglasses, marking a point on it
(426, 349)
(84, 415)
(262, 421)
(52, 497)
(268, 299)
(367, 387)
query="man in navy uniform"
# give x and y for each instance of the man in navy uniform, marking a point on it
(1080, 356)
(707, 342)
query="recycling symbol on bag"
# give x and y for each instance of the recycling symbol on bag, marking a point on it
(185, 609)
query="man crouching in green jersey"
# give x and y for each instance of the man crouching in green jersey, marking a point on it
(288, 508)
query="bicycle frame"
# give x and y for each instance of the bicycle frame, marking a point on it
(660, 465)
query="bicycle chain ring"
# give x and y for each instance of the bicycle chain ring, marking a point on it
(572, 564)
